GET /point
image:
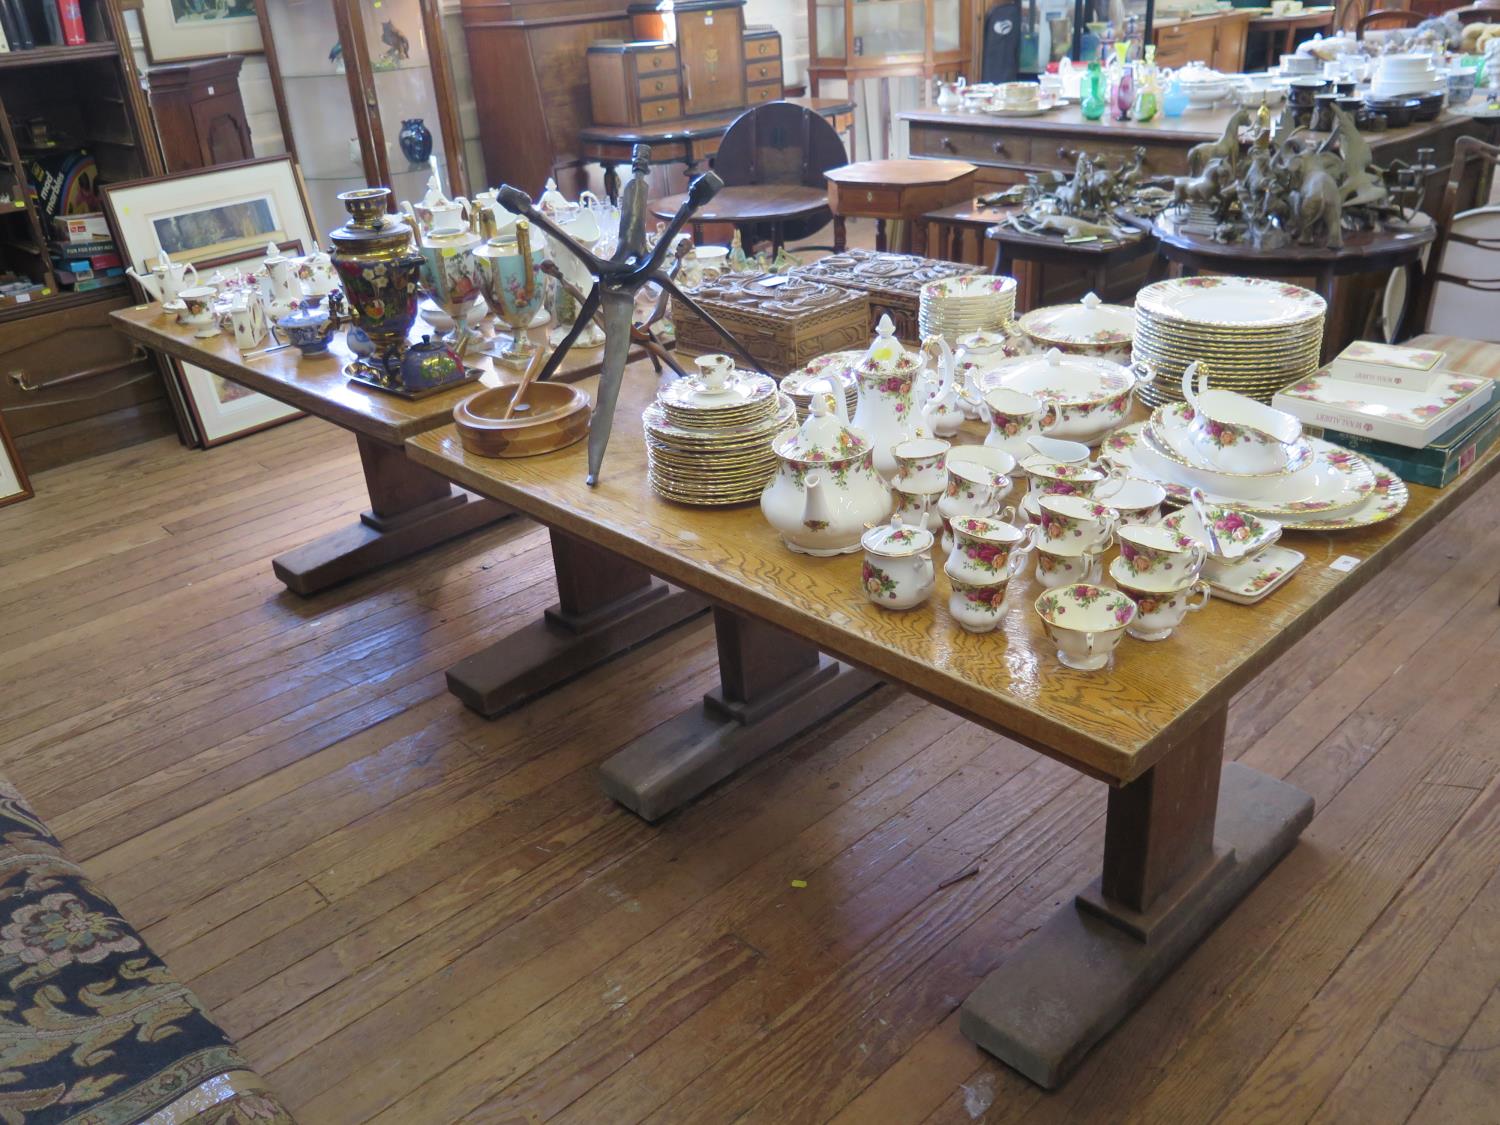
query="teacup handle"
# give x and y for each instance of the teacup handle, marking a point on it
(1006, 514)
(1018, 558)
(1197, 588)
(1088, 639)
(1142, 372)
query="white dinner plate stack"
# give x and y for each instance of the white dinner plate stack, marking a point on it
(1401, 75)
(958, 306)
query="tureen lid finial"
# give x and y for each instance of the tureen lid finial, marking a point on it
(1091, 301)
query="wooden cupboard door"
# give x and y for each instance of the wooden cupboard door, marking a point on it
(223, 135)
(711, 46)
(1229, 49)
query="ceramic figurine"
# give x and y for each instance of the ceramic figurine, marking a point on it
(826, 489)
(378, 268)
(886, 376)
(415, 140)
(738, 263)
(166, 280)
(898, 569)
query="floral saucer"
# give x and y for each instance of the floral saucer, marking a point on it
(1250, 579)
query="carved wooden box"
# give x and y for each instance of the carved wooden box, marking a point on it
(782, 321)
(892, 281)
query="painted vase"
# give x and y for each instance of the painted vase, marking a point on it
(450, 275)
(379, 269)
(511, 279)
(415, 140)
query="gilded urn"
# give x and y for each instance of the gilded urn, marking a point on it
(380, 269)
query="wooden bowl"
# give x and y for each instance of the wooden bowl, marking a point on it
(553, 416)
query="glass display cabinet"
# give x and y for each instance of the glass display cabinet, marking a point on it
(854, 39)
(368, 97)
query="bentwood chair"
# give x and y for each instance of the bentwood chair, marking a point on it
(1457, 292)
(1387, 19)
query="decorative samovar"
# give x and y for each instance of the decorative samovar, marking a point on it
(380, 268)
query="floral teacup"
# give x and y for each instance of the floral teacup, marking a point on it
(1014, 417)
(1138, 501)
(1065, 478)
(1061, 568)
(1077, 521)
(1158, 612)
(1158, 557)
(973, 490)
(198, 309)
(1085, 622)
(987, 550)
(918, 509)
(921, 464)
(977, 608)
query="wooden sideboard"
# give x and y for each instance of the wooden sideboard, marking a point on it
(1216, 40)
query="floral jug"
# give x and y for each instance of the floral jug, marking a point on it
(943, 411)
(826, 490)
(886, 412)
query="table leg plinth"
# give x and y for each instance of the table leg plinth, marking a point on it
(772, 688)
(1083, 972)
(360, 548)
(562, 646)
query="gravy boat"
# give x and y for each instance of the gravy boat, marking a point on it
(1236, 433)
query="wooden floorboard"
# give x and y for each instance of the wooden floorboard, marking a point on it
(407, 914)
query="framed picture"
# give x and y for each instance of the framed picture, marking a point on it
(177, 30)
(14, 484)
(216, 219)
(222, 409)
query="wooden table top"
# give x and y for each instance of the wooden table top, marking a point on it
(696, 128)
(1112, 724)
(317, 385)
(750, 203)
(900, 173)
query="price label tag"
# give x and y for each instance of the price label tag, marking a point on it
(1344, 563)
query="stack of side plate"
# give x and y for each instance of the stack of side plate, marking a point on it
(708, 457)
(833, 369)
(1254, 335)
(958, 306)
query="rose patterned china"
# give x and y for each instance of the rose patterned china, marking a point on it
(166, 280)
(987, 550)
(1085, 622)
(886, 413)
(826, 490)
(1059, 478)
(1252, 578)
(198, 310)
(1386, 500)
(919, 508)
(1079, 521)
(1157, 556)
(820, 378)
(1014, 417)
(996, 460)
(942, 411)
(898, 569)
(1171, 430)
(921, 464)
(977, 608)
(1158, 612)
(1233, 535)
(1237, 434)
(955, 307)
(1088, 328)
(1092, 395)
(1138, 501)
(973, 490)
(1064, 566)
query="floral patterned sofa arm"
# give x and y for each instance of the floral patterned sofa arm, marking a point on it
(94, 1029)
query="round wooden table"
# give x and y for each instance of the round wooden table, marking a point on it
(1364, 251)
(903, 190)
(746, 204)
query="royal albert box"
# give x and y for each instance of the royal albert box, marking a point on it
(892, 281)
(782, 320)
(1387, 365)
(1401, 415)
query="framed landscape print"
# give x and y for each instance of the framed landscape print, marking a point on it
(13, 482)
(217, 219)
(177, 30)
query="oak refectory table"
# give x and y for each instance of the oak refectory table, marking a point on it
(599, 612)
(1186, 834)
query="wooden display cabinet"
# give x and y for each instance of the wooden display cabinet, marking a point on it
(855, 39)
(70, 387)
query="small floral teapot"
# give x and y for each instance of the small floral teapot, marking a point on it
(826, 491)
(943, 411)
(898, 571)
(886, 413)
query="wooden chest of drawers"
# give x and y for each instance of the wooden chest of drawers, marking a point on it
(632, 83)
(763, 77)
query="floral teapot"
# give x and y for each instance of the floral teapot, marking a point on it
(316, 272)
(943, 411)
(826, 491)
(887, 412)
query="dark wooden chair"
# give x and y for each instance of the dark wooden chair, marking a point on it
(1467, 248)
(1481, 11)
(1387, 19)
(780, 143)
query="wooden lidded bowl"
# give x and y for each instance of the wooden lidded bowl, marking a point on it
(553, 416)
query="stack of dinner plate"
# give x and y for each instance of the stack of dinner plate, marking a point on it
(713, 447)
(957, 306)
(1255, 335)
(836, 369)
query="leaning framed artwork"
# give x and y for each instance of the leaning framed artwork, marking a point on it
(178, 30)
(14, 484)
(221, 218)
